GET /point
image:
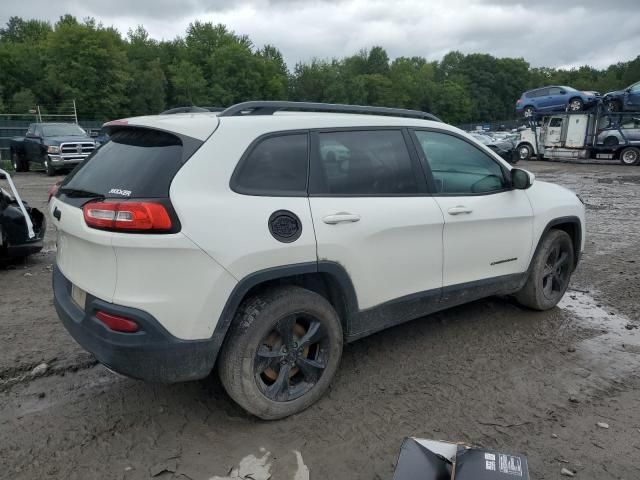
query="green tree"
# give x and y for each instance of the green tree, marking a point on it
(88, 63)
(147, 87)
(188, 84)
(21, 31)
(23, 101)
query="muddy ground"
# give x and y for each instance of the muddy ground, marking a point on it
(489, 373)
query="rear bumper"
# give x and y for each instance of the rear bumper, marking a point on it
(151, 354)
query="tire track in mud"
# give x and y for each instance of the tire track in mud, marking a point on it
(22, 374)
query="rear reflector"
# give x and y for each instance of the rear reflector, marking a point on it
(116, 323)
(127, 216)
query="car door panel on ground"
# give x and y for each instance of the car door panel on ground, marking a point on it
(371, 214)
(488, 225)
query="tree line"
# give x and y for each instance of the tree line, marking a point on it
(112, 76)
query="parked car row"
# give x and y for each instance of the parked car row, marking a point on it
(503, 143)
(559, 98)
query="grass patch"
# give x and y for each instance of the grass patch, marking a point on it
(6, 165)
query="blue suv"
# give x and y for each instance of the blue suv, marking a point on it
(626, 99)
(554, 98)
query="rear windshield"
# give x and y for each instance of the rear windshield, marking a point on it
(136, 163)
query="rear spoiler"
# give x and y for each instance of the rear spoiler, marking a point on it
(7, 177)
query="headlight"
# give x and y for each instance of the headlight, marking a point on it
(53, 149)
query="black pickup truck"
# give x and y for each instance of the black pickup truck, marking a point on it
(52, 146)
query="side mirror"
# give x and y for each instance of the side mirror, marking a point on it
(563, 92)
(521, 179)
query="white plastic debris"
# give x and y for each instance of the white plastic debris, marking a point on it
(39, 370)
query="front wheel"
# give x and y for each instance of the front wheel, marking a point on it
(48, 168)
(524, 152)
(630, 156)
(281, 352)
(16, 162)
(613, 106)
(550, 272)
(528, 112)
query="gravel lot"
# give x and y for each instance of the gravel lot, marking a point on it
(489, 373)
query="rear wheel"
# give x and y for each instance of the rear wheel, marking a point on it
(550, 273)
(630, 156)
(281, 352)
(575, 104)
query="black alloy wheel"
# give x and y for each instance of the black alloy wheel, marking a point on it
(555, 275)
(292, 357)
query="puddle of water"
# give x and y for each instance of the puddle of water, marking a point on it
(618, 328)
(613, 354)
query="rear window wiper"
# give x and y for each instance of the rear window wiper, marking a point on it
(77, 192)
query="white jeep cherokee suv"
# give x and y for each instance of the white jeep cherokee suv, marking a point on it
(262, 239)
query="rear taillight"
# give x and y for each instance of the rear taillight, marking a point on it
(117, 323)
(519, 101)
(127, 216)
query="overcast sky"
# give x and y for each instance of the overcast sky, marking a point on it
(554, 33)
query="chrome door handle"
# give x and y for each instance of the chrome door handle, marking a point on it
(459, 210)
(341, 217)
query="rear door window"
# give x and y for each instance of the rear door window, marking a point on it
(275, 166)
(365, 163)
(136, 163)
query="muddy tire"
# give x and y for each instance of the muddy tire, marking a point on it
(630, 156)
(281, 352)
(550, 272)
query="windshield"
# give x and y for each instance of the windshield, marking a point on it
(63, 130)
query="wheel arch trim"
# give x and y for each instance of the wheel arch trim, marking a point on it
(576, 238)
(336, 271)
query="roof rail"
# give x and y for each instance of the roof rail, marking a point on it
(270, 107)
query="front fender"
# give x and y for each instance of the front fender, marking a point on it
(554, 205)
